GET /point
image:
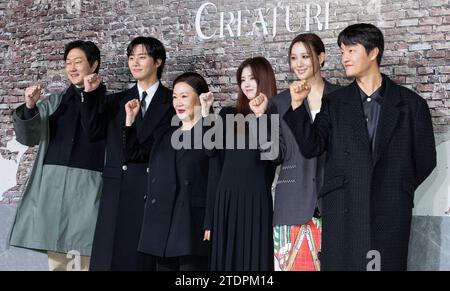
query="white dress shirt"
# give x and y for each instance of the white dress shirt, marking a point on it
(150, 93)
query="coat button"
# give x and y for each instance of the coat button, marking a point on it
(145, 197)
(148, 170)
(124, 167)
(153, 201)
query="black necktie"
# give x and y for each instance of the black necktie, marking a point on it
(143, 103)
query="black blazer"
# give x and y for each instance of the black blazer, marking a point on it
(367, 197)
(105, 116)
(178, 189)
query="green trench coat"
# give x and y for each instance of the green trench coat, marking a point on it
(59, 207)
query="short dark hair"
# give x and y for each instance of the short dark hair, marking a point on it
(154, 48)
(89, 48)
(195, 80)
(368, 35)
(313, 44)
(265, 78)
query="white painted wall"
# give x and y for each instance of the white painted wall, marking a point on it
(8, 168)
(433, 196)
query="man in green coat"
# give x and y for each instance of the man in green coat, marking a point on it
(59, 207)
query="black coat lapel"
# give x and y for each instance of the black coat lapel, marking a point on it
(127, 95)
(131, 94)
(161, 102)
(172, 155)
(389, 115)
(354, 113)
(162, 157)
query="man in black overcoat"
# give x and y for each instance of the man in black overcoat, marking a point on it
(125, 180)
(380, 147)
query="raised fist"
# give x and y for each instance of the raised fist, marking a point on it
(91, 82)
(259, 104)
(299, 91)
(32, 95)
(132, 108)
(206, 101)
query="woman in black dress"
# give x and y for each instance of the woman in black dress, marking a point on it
(242, 217)
(174, 230)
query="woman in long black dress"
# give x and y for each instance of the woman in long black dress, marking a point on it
(175, 232)
(242, 218)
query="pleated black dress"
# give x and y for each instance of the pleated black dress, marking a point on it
(242, 217)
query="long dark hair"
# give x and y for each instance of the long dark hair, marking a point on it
(313, 44)
(265, 79)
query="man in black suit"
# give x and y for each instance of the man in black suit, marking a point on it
(125, 178)
(380, 147)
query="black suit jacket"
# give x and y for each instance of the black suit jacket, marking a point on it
(178, 189)
(105, 116)
(367, 196)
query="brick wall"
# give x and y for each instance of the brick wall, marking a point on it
(33, 34)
